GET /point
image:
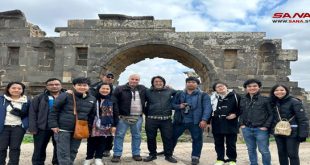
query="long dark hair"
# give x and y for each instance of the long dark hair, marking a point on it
(275, 98)
(12, 83)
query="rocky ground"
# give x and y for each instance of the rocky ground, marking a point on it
(182, 153)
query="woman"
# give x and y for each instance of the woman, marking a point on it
(291, 109)
(14, 107)
(224, 121)
(102, 129)
(62, 119)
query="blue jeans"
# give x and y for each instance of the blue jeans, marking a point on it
(255, 137)
(196, 134)
(121, 130)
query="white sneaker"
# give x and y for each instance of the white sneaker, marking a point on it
(88, 162)
(219, 162)
(232, 163)
(98, 162)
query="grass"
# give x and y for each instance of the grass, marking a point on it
(184, 138)
(28, 139)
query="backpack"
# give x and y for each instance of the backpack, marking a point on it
(283, 127)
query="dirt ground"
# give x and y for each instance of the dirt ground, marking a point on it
(182, 153)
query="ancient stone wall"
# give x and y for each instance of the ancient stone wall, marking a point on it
(112, 42)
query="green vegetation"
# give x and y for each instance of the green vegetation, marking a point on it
(28, 138)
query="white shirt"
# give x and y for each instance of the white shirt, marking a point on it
(11, 119)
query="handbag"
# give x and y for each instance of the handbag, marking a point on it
(283, 127)
(130, 119)
(81, 130)
(17, 112)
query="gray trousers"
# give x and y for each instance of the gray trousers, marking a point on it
(67, 147)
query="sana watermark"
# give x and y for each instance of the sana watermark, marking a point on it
(291, 17)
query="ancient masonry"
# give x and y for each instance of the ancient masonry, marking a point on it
(112, 42)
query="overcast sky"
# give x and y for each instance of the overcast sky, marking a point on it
(186, 15)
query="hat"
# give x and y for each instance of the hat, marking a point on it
(192, 79)
(108, 74)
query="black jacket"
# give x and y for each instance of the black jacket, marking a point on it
(63, 117)
(122, 99)
(38, 112)
(226, 106)
(159, 102)
(255, 111)
(291, 107)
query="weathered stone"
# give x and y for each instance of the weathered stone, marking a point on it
(288, 55)
(115, 41)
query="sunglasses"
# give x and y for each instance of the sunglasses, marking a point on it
(109, 76)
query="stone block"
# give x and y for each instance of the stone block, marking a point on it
(163, 23)
(288, 55)
(76, 24)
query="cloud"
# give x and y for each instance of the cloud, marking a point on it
(172, 72)
(223, 10)
(186, 15)
(294, 36)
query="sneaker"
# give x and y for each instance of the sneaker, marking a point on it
(171, 159)
(98, 162)
(219, 162)
(116, 159)
(195, 161)
(137, 158)
(106, 154)
(232, 163)
(88, 162)
(149, 158)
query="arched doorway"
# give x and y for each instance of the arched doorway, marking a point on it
(132, 53)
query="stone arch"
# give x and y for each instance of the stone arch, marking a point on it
(46, 56)
(118, 59)
(266, 58)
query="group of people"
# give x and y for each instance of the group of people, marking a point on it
(111, 111)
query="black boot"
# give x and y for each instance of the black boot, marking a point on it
(149, 158)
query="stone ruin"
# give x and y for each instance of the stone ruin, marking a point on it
(87, 47)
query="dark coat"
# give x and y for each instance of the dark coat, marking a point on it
(291, 107)
(255, 111)
(159, 102)
(122, 99)
(38, 112)
(3, 105)
(226, 106)
(63, 117)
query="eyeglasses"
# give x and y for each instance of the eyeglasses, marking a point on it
(53, 84)
(111, 77)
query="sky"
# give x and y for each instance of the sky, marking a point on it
(186, 15)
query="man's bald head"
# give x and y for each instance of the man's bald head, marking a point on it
(134, 80)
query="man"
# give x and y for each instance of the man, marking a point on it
(63, 118)
(106, 77)
(40, 107)
(255, 121)
(158, 116)
(129, 103)
(194, 108)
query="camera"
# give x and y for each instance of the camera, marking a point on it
(187, 108)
